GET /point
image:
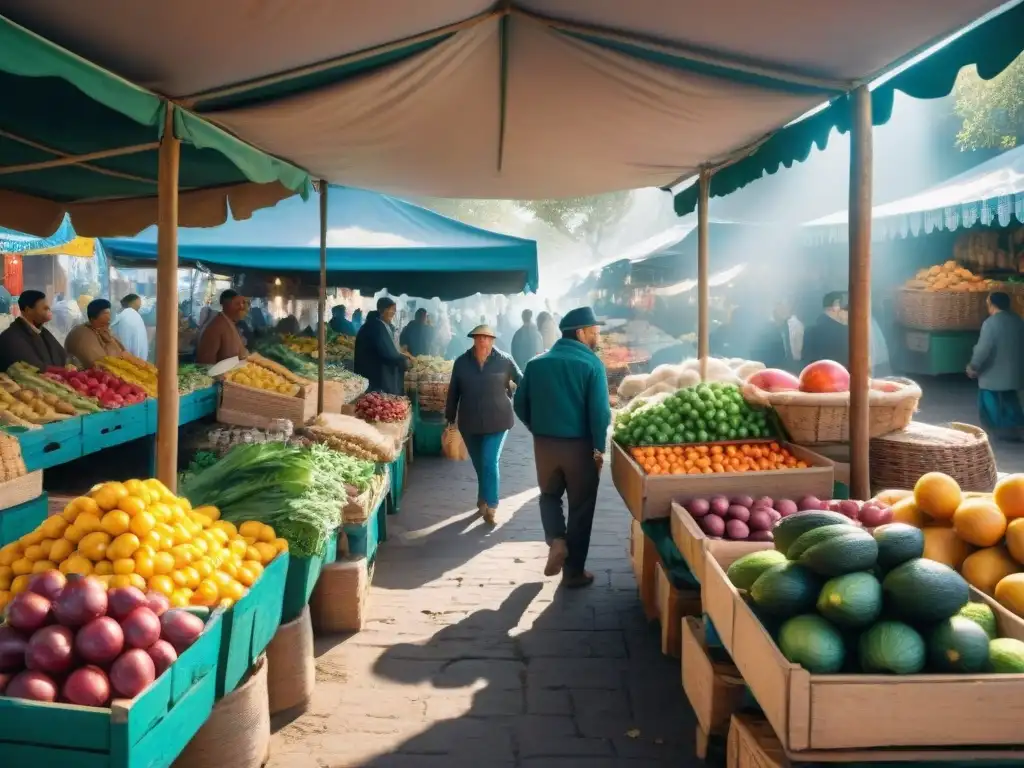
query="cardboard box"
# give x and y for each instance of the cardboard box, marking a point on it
(673, 604)
(714, 689)
(815, 715)
(696, 547)
(650, 497)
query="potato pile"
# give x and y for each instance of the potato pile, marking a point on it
(949, 277)
(30, 405)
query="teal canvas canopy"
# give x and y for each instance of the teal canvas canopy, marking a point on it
(78, 141)
(19, 242)
(375, 242)
(990, 194)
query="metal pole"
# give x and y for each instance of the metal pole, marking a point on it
(322, 304)
(167, 306)
(703, 289)
(860, 292)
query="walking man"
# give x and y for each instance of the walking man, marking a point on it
(998, 365)
(563, 401)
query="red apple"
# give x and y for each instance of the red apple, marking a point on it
(824, 376)
(774, 380)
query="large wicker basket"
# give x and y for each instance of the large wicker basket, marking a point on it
(433, 396)
(961, 451)
(941, 310)
(814, 419)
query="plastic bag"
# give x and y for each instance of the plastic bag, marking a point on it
(452, 445)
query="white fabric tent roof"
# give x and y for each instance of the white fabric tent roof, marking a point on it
(532, 99)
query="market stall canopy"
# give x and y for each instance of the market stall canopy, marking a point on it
(19, 242)
(77, 141)
(990, 45)
(375, 242)
(514, 99)
(990, 193)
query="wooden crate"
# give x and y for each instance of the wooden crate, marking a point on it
(251, 407)
(752, 744)
(650, 497)
(696, 547)
(717, 595)
(714, 688)
(673, 604)
(644, 557)
(818, 716)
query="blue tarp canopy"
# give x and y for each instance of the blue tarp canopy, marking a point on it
(991, 193)
(18, 242)
(375, 242)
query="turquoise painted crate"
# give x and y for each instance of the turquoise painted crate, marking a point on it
(109, 428)
(397, 471)
(250, 625)
(303, 573)
(15, 522)
(148, 733)
(934, 353)
(365, 538)
(427, 437)
(53, 444)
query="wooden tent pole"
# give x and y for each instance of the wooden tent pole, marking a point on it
(321, 333)
(703, 289)
(860, 291)
(167, 306)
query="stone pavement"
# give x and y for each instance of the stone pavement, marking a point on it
(471, 657)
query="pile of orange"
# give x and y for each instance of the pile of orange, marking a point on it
(714, 459)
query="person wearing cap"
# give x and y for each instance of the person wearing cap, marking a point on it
(92, 340)
(563, 401)
(376, 356)
(480, 401)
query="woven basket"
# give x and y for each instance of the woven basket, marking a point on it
(433, 396)
(237, 735)
(12, 464)
(291, 667)
(339, 600)
(813, 419)
(22, 489)
(941, 310)
(961, 451)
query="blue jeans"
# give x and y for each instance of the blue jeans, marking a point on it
(484, 452)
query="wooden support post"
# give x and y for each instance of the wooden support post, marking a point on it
(703, 289)
(321, 333)
(860, 292)
(167, 306)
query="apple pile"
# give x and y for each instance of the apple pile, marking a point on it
(110, 391)
(742, 518)
(69, 639)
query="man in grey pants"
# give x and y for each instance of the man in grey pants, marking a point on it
(563, 401)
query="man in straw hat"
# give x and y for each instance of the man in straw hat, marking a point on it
(563, 401)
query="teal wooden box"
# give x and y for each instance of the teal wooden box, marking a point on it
(303, 573)
(935, 353)
(149, 733)
(365, 538)
(427, 436)
(53, 444)
(250, 625)
(191, 407)
(114, 427)
(397, 471)
(15, 522)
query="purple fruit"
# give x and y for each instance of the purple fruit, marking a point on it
(786, 507)
(764, 501)
(712, 525)
(850, 508)
(761, 536)
(808, 503)
(736, 530)
(760, 520)
(698, 507)
(736, 512)
(743, 501)
(719, 505)
(775, 515)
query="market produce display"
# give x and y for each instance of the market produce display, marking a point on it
(102, 386)
(706, 412)
(297, 492)
(132, 370)
(257, 376)
(949, 276)
(28, 377)
(69, 639)
(35, 400)
(192, 377)
(377, 406)
(301, 365)
(844, 599)
(668, 378)
(715, 459)
(352, 436)
(339, 347)
(222, 438)
(139, 534)
(430, 368)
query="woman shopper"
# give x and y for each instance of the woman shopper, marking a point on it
(480, 399)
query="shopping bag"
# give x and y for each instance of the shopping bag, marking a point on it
(452, 446)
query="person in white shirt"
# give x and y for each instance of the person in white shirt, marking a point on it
(130, 329)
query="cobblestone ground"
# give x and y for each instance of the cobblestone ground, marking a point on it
(471, 657)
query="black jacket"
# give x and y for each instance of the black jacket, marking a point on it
(19, 343)
(418, 338)
(482, 397)
(378, 359)
(527, 343)
(827, 339)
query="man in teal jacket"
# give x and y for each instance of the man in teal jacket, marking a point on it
(563, 401)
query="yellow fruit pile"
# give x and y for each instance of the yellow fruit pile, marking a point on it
(252, 375)
(948, 277)
(138, 533)
(133, 370)
(981, 535)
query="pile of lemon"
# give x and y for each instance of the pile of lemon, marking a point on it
(137, 533)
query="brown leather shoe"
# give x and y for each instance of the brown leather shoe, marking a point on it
(557, 552)
(577, 580)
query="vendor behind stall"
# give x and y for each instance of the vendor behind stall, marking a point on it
(92, 340)
(26, 340)
(376, 357)
(220, 339)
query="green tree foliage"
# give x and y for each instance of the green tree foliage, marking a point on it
(992, 111)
